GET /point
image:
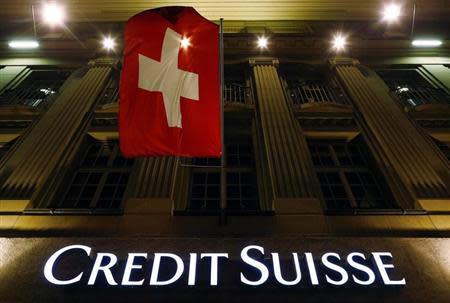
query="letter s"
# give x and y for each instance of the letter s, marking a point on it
(252, 262)
(48, 268)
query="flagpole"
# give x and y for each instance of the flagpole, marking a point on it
(223, 187)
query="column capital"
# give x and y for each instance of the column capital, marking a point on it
(338, 61)
(264, 61)
(104, 61)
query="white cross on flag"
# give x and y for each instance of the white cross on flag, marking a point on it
(169, 87)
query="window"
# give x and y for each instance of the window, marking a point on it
(36, 89)
(412, 88)
(237, 89)
(100, 178)
(307, 84)
(346, 177)
(241, 185)
(111, 91)
(444, 147)
(4, 148)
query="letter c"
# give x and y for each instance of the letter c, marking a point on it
(48, 268)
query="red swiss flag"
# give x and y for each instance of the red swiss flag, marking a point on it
(169, 87)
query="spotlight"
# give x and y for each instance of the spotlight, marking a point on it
(108, 43)
(339, 42)
(391, 12)
(262, 42)
(23, 44)
(53, 14)
(185, 42)
(426, 43)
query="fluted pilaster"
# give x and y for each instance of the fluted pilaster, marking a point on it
(41, 152)
(154, 177)
(289, 161)
(412, 166)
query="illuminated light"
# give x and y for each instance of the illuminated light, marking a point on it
(264, 271)
(277, 270)
(47, 91)
(130, 266)
(262, 42)
(185, 42)
(338, 271)
(48, 268)
(312, 268)
(383, 266)
(391, 12)
(157, 263)
(105, 268)
(23, 44)
(427, 43)
(53, 14)
(339, 42)
(370, 274)
(108, 43)
(192, 269)
(334, 267)
(214, 265)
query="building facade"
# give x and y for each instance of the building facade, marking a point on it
(324, 153)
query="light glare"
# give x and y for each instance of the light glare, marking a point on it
(426, 43)
(108, 43)
(391, 12)
(23, 44)
(185, 42)
(339, 42)
(53, 14)
(262, 42)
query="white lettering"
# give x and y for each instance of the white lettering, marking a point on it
(363, 268)
(382, 268)
(48, 268)
(258, 265)
(130, 266)
(311, 268)
(192, 268)
(214, 265)
(336, 268)
(106, 269)
(277, 270)
(155, 270)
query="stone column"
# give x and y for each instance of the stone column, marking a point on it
(42, 153)
(294, 183)
(11, 76)
(441, 73)
(416, 173)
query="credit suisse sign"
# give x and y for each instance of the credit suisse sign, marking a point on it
(255, 268)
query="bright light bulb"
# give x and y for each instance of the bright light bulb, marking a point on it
(339, 42)
(426, 43)
(262, 42)
(108, 43)
(23, 44)
(391, 12)
(185, 42)
(53, 14)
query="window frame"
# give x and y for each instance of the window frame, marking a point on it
(214, 167)
(105, 170)
(343, 170)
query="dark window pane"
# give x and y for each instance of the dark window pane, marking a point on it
(349, 183)
(99, 176)
(241, 182)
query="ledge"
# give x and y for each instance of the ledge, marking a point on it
(148, 206)
(13, 206)
(285, 206)
(435, 205)
(322, 107)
